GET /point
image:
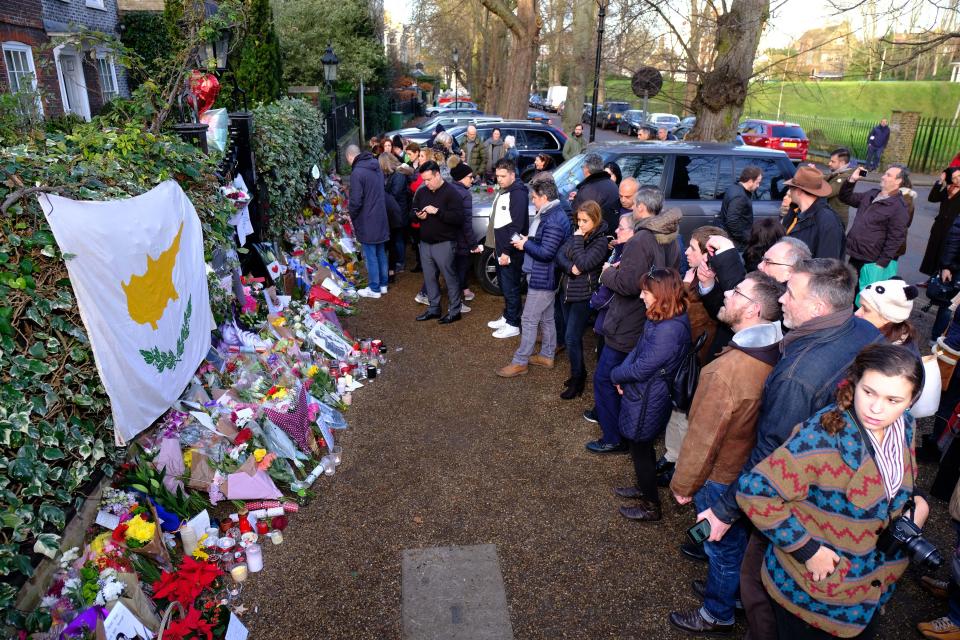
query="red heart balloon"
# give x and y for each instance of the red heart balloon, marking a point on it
(206, 87)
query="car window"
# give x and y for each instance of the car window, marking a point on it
(618, 107)
(646, 168)
(726, 176)
(536, 139)
(695, 177)
(752, 128)
(771, 186)
(784, 131)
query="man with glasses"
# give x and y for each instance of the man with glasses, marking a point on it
(779, 259)
(814, 221)
(721, 434)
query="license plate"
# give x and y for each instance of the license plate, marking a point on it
(789, 145)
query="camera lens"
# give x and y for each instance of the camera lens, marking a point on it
(924, 553)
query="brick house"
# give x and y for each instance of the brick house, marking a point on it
(87, 75)
(27, 63)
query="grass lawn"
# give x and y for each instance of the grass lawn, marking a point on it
(842, 99)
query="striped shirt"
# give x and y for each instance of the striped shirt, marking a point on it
(889, 456)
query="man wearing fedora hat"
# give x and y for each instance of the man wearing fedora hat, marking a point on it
(814, 222)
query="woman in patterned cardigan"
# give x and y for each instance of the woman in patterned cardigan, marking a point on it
(825, 496)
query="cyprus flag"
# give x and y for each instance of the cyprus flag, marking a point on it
(137, 269)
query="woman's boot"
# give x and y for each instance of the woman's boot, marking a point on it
(576, 387)
(946, 360)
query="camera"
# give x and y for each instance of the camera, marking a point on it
(903, 533)
(862, 172)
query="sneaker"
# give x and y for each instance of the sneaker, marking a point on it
(506, 331)
(499, 322)
(468, 295)
(383, 290)
(933, 586)
(421, 299)
(939, 629)
(367, 292)
(590, 415)
(464, 308)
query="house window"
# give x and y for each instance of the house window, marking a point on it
(108, 78)
(21, 73)
(95, 4)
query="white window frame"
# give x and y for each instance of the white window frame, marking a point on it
(13, 45)
(115, 93)
(96, 4)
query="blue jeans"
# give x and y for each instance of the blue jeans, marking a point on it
(398, 248)
(509, 279)
(605, 395)
(375, 255)
(873, 157)
(724, 558)
(575, 316)
(941, 321)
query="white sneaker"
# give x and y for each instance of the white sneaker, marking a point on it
(366, 292)
(468, 295)
(464, 308)
(506, 331)
(383, 289)
(421, 299)
(498, 323)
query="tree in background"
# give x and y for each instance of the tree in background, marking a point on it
(257, 62)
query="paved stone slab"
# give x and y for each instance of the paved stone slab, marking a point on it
(454, 593)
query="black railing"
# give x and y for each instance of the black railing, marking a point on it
(936, 143)
(341, 121)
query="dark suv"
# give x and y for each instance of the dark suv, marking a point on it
(610, 114)
(692, 176)
(532, 138)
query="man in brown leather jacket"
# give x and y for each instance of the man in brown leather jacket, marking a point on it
(721, 435)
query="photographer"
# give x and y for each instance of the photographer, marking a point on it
(834, 500)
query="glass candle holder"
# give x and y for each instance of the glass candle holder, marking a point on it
(254, 558)
(239, 573)
(337, 453)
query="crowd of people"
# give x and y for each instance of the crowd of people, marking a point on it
(797, 447)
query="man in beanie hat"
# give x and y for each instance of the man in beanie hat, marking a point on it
(813, 222)
(887, 305)
(462, 176)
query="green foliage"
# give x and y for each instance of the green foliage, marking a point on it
(305, 28)
(55, 422)
(257, 61)
(145, 34)
(288, 141)
(169, 359)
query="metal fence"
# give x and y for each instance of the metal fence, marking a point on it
(937, 142)
(342, 120)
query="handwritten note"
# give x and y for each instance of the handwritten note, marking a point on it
(235, 629)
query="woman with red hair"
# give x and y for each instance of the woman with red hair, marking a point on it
(644, 380)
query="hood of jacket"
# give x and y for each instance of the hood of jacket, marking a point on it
(907, 192)
(664, 226)
(549, 208)
(593, 177)
(761, 341)
(367, 161)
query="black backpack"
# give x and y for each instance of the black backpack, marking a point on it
(685, 381)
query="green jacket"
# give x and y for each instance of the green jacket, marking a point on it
(475, 155)
(573, 147)
(836, 180)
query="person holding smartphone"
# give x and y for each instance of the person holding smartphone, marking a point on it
(829, 497)
(720, 436)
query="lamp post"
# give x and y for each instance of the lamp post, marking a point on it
(330, 62)
(596, 79)
(216, 49)
(456, 80)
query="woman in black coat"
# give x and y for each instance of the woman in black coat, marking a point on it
(945, 191)
(581, 260)
(398, 208)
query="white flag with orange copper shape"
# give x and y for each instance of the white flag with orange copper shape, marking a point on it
(138, 272)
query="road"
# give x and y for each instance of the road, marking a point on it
(924, 213)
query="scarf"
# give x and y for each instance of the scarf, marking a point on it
(814, 325)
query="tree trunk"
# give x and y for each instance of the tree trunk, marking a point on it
(525, 39)
(723, 90)
(693, 56)
(583, 30)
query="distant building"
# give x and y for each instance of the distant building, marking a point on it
(824, 51)
(25, 67)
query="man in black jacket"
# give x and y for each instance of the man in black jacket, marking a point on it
(736, 212)
(439, 208)
(814, 222)
(597, 186)
(509, 217)
(882, 219)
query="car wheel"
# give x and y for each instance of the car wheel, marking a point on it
(485, 270)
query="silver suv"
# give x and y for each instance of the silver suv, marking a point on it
(692, 175)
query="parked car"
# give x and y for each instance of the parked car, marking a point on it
(771, 134)
(667, 120)
(422, 133)
(459, 105)
(538, 116)
(631, 122)
(532, 138)
(692, 176)
(587, 112)
(536, 101)
(689, 121)
(610, 114)
(681, 132)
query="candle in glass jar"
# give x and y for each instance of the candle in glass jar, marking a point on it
(262, 527)
(239, 573)
(276, 536)
(337, 453)
(189, 538)
(254, 558)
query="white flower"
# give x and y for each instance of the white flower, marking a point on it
(69, 556)
(48, 601)
(71, 583)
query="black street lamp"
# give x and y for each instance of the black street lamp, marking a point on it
(596, 80)
(330, 62)
(456, 80)
(217, 48)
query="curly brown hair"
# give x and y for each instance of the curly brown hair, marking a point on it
(888, 359)
(671, 295)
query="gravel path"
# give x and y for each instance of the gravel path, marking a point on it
(443, 452)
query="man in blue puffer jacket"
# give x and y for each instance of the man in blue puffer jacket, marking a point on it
(548, 231)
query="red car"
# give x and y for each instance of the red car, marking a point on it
(770, 134)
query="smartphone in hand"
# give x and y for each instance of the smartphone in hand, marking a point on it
(699, 532)
(862, 172)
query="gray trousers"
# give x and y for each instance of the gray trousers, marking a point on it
(676, 432)
(439, 257)
(537, 315)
